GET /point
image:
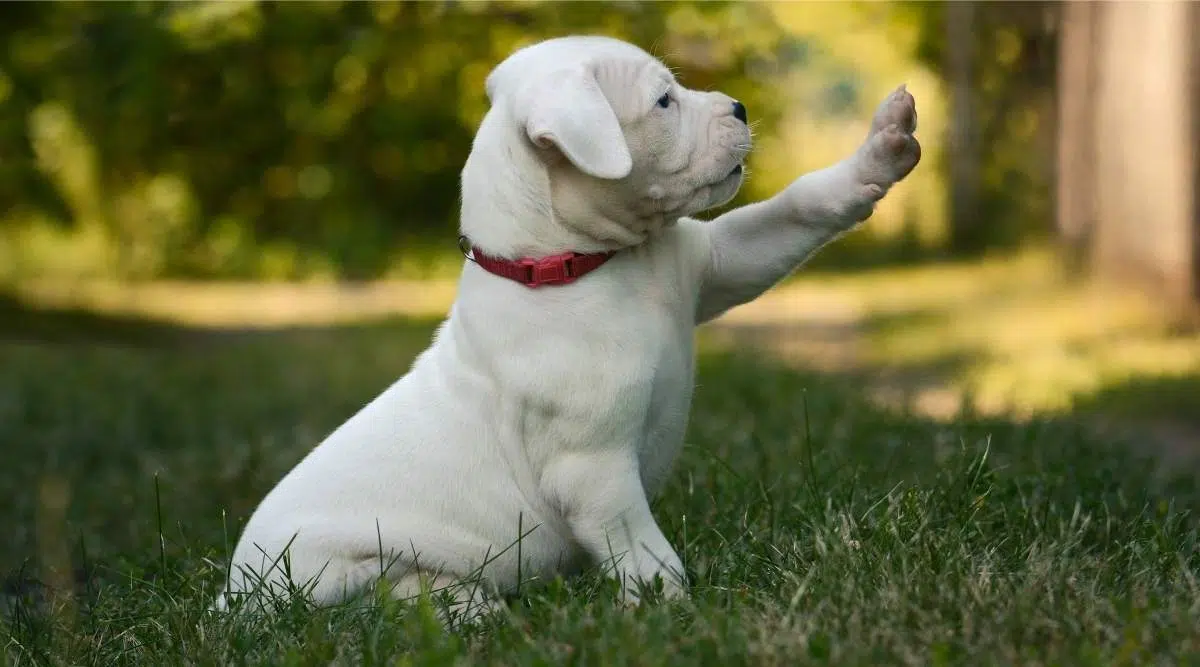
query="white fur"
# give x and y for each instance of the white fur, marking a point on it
(553, 414)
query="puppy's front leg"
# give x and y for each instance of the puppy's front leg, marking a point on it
(601, 496)
(756, 246)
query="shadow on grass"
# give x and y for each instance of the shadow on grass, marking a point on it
(835, 348)
(1160, 413)
(1167, 396)
(23, 321)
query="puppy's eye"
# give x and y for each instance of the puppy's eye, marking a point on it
(665, 100)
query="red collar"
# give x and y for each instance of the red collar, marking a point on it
(552, 270)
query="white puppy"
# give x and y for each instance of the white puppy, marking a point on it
(528, 438)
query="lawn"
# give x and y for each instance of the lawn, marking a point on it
(818, 527)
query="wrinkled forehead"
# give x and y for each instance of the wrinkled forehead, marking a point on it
(541, 59)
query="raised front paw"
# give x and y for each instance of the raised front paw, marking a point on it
(891, 151)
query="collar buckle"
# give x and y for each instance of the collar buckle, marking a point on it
(552, 270)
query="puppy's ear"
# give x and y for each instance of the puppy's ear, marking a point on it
(569, 111)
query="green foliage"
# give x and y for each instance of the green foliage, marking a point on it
(326, 136)
(287, 140)
(817, 529)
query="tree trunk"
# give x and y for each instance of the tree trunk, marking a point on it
(1193, 99)
(1144, 147)
(962, 145)
(1076, 146)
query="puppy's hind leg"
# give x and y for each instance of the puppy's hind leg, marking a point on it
(342, 579)
(281, 580)
(457, 600)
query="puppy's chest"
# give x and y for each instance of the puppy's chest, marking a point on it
(629, 370)
(667, 412)
(666, 369)
(626, 370)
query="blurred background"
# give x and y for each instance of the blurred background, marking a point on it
(236, 165)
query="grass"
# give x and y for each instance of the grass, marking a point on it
(818, 528)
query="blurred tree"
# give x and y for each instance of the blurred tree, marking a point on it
(1129, 171)
(999, 61)
(963, 152)
(1077, 79)
(248, 138)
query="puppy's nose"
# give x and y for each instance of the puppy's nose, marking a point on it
(739, 111)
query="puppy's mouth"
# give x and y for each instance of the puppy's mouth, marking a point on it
(733, 175)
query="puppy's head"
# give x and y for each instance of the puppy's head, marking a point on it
(626, 148)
